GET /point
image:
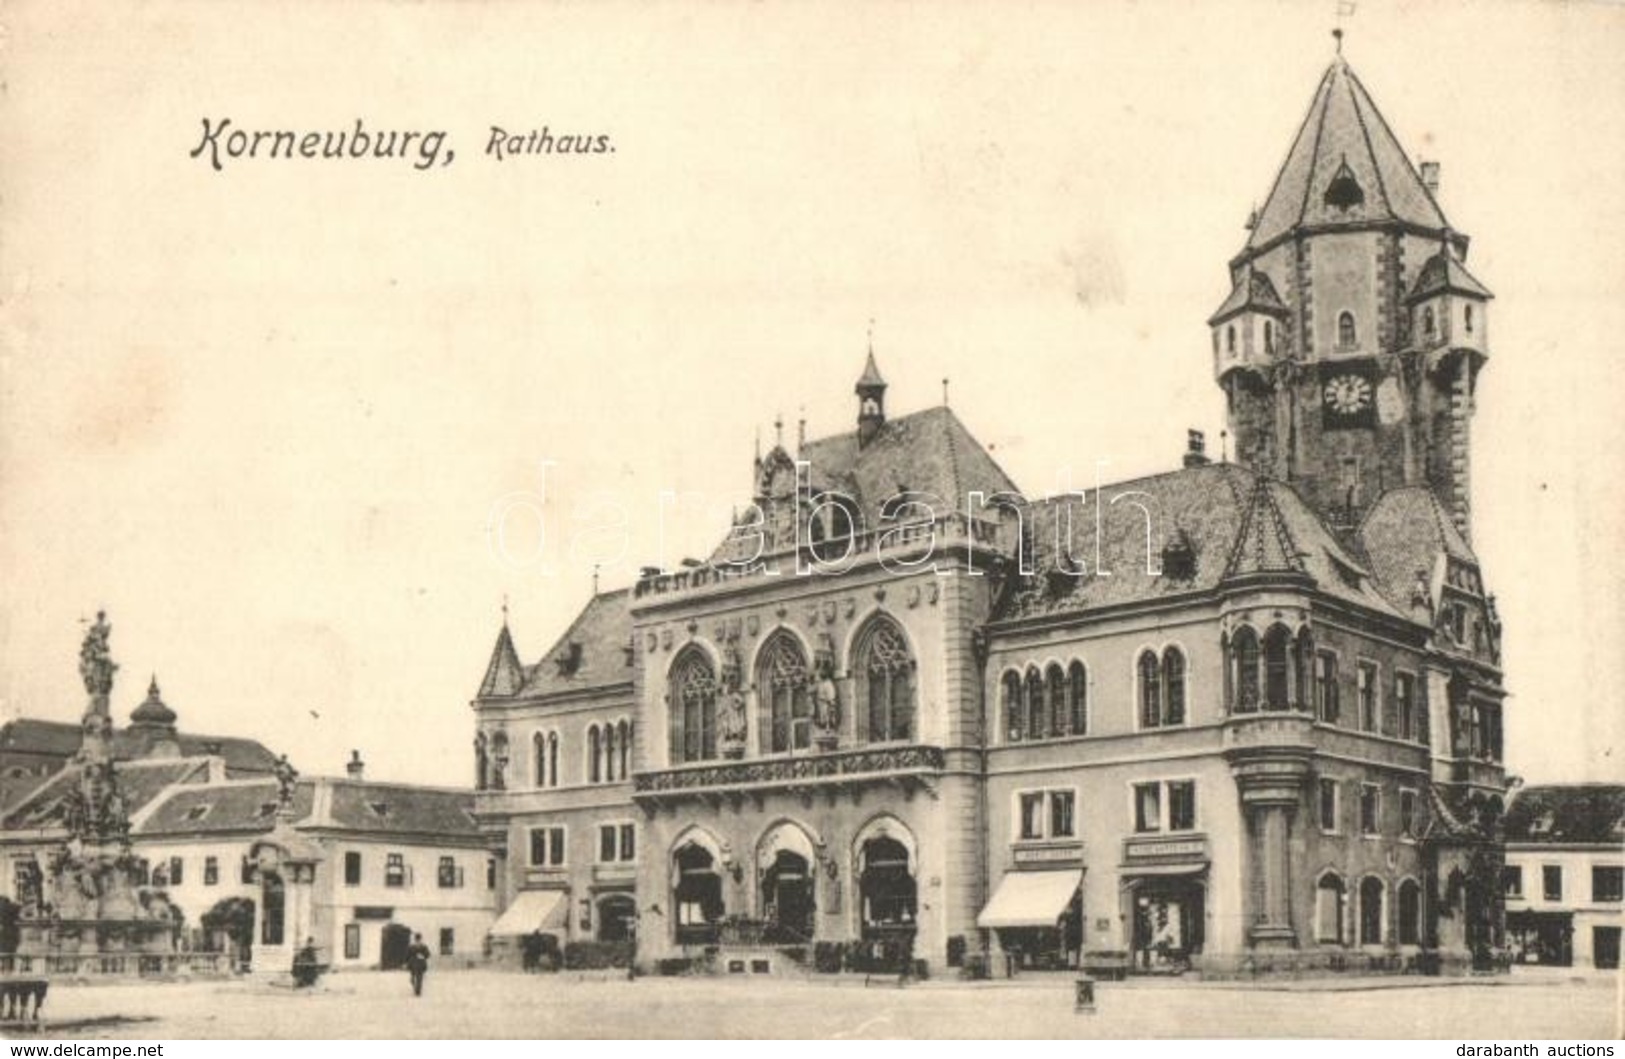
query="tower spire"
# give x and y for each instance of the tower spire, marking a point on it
(871, 391)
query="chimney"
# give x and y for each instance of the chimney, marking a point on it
(1195, 449)
(1430, 177)
(355, 768)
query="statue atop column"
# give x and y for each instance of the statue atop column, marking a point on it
(96, 663)
(286, 778)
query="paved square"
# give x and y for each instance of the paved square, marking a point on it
(488, 1004)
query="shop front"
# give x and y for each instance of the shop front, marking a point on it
(1036, 918)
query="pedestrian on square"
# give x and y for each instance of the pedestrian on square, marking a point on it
(417, 963)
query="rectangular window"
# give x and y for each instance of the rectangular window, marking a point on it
(1328, 806)
(1405, 704)
(1607, 884)
(1061, 806)
(1366, 675)
(1370, 809)
(352, 941)
(448, 941)
(607, 845)
(629, 843)
(1032, 815)
(1182, 806)
(211, 871)
(547, 847)
(1407, 813)
(177, 871)
(395, 870)
(1326, 686)
(245, 872)
(1551, 882)
(1512, 880)
(447, 875)
(1147, 807)
(352, 868)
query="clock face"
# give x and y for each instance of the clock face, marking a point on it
(1348, 394)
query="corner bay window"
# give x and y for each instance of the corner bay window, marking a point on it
(546, 847)
(1166, 806)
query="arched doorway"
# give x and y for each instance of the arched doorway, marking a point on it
(888, 902)
(1330, 900)
(696, 894)
(787, 898)
(273, 902)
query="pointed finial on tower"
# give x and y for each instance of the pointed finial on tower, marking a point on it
(1224, 446)
(801, 430)
(1337, 34)
(778, 430)
(945, 391)
(504, 610)
(595, 579)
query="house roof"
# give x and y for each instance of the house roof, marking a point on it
(61, 739)
(139, 781)
(592, 653)
(1253, 292)
(1232, 523)
(1568, 814)
(927, 452)
(392, 808)
(1444, 272)
(1344, 136)
(223, 808)
(1403, 534)
(358, 806)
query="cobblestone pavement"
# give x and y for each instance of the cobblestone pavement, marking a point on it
(483, 1004)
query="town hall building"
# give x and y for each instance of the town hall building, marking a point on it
(1239, 716)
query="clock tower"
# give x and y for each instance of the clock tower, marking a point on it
(1350, 344)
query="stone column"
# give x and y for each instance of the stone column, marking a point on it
(1270, 757)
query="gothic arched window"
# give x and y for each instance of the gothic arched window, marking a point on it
(884, 666)
(1244, 656)
(482, 763)
(1078, 698)
(609, 753)
(594, 761)
(1347, 337)
(499, 761)
(1035, 704)
(624, 733)
(693, 708)
(781, 683)
(1056, 679)
(1277, 673)
(538, 751)
(1173, 686)
(1015, 723)
(552, 759)
(1150, 690)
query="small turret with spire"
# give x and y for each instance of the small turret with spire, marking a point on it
(871, 391)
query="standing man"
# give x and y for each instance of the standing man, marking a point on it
(417, 963)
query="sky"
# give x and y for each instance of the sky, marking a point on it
(270, 417)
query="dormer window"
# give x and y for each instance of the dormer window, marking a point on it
(1467, 318)
(1269, 337)
(1428, 326)
(1344, 192)
(196, 813)
(1230, 340)
(1347, 336)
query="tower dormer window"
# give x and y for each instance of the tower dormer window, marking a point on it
(1344, 192)
(1347, 336)
(1428, 326)
(1467, 318)
(1230, 340)
(1269, 337)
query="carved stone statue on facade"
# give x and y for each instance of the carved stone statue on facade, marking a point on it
(732, 724)
(826, 702)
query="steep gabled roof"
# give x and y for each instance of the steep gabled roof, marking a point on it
(1344, 137)
(1568, 813)
(927, 452)
(504, 676)
(1403, 534)
(1264, 545)
(592, 653)
(1443, 272)
(1253, 293)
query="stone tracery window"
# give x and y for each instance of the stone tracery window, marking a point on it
(693, 708)
(781, 682)
(885, 668)
(1078, 698)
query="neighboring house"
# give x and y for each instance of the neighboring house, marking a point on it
(1564, 880)
(1228, 712)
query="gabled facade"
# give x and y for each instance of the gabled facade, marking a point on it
(1242, 716)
